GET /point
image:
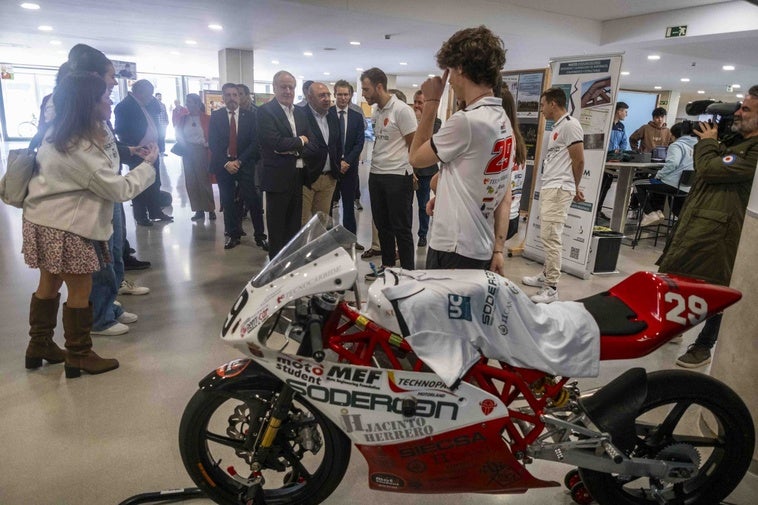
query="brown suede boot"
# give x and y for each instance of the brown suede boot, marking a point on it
(43, 316)
(77, 324)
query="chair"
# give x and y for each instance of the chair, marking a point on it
(665, 227)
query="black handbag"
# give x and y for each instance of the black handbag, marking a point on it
(179, 149)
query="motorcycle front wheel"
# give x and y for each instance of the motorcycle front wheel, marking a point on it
(217, 438)
(670, 426)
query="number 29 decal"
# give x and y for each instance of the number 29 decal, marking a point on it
(502, 156)
(694, 309)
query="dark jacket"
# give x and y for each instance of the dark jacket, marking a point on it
(248, 151)
(705, 242)
(280, 147)
(354, 139)
(332, 145)
(131, 125)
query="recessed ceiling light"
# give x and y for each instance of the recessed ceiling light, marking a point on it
(190, 42)
(301, 77)
(215, 27)
(657, 87)
(30, 6)
(701, 92)
(739, 95)
(331, 84)
(359, 69)
(327, 73)
(403, 63)
(275, 62)
(653, 57)
(430, 75)
(625, 72)
(685, 79)
(307, 53)
(414, 85)
(728, 67)
(55, 42)
(45, 28)
(736, 86)
(355, 43)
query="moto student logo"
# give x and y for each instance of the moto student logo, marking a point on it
(459, 307)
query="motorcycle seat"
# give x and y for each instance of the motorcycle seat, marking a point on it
(612, 315)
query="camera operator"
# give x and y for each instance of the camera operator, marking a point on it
(704, 244)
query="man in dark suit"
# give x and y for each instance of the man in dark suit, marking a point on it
(135, 127)
(352, 137)
(286, 150)
(318, 187)
(233, 141)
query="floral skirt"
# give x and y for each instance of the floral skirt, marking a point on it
(62, 252)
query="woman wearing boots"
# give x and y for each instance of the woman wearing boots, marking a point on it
(67, 218)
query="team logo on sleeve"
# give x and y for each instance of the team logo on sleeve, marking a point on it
(555, 136)
(729, 159)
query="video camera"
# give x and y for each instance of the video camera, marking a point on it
(722, 114)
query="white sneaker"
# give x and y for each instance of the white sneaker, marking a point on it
(116, 329)
(127, 318)
(117, 303)
(129, 288)
(661, 215)
(650, 219)
(536, 281)
(547, 294)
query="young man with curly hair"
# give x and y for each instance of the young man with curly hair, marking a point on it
(475, 147)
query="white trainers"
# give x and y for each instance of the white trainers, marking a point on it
(650, 219)
(129, 288)
(547, 294)
(661, 215)
(536, 281)
(117, 303)
(127, 318)
(116, 329)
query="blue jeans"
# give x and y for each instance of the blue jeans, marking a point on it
(422, 196)
(105, 283)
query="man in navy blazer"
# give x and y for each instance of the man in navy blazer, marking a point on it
(287, 151)
(233, 161)
(352, 129)
(318, 187)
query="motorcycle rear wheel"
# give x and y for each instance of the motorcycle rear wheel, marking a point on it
(213, 430)
(670, 419)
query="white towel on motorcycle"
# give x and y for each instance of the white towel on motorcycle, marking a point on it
(455, 316)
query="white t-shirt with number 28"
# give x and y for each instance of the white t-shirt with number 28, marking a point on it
(476, 147)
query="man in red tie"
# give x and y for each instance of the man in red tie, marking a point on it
(233, 141)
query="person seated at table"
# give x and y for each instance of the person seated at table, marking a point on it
(653, 134)
(678, 160)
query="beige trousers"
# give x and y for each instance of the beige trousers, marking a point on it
(318, 197)
(554, 206)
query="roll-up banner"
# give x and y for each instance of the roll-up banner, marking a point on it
(591, 85)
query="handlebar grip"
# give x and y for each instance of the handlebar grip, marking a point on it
(317, 344)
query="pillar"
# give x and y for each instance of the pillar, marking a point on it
(737, 347)
(236, 65)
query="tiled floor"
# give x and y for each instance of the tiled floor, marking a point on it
(100, 439)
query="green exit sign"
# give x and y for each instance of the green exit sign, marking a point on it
(676, 31)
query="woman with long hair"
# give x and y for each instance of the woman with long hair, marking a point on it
(68, 217)
(192, 135)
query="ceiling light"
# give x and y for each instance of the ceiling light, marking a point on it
(414, 85)
(685, 79)
(301, 77)
(430, 75)
(701, 92)
(55, 42)
(653, 57)
(403, 63)
(736, 86)
(275, 62)
(327, 73)
(625, 72)
(657, 87)
(739, 95)
(359, 69)
(331, 84)
(30, 6)
(307, 53)
(45, 28)
(728, 67)
(355, 43)
(190, 42)
(217, 28)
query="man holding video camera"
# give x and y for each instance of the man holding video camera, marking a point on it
(704, 244)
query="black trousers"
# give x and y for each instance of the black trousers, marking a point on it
(392, 207)
(284, 213)
(439, 260)
(346, 189)
(250, 194)
(146, 205)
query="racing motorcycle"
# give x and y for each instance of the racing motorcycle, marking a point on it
(457, 409)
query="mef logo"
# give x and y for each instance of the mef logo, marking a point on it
(458, 307)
